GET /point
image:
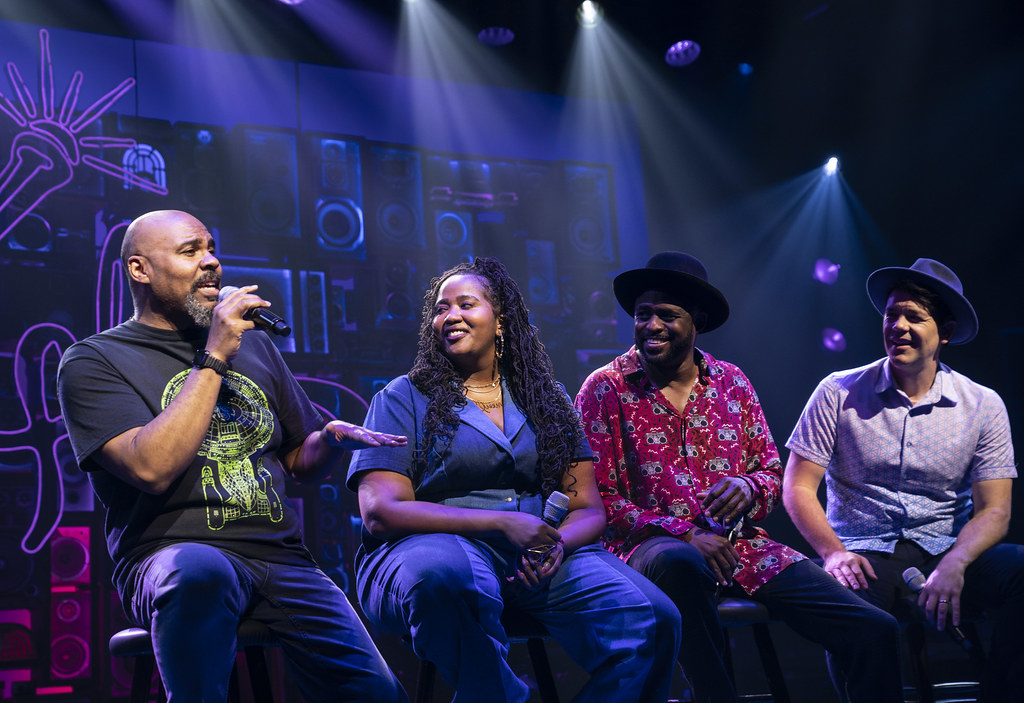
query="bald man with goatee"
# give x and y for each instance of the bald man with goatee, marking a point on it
(188, 423)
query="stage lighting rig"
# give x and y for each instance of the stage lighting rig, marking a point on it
(589, 14)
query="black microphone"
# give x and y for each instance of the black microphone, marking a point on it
(915, 582)
(555, 508)
(263, 317)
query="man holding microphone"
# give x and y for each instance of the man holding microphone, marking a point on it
(187, 423)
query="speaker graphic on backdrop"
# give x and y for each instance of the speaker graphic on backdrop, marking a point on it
(453, 230)
(332, 194)
(70, 603)
(589, 213)
(394, 199)
(199, 181)
(275, 286)
(314, 326)
(400, 285)
(267, 161)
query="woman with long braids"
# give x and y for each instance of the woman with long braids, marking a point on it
(453, 523)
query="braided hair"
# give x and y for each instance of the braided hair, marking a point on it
(524, 364)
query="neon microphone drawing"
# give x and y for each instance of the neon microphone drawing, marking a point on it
(48, 149)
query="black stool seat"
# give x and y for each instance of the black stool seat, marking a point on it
(253, 638)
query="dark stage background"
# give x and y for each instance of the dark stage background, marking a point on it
(340, 180)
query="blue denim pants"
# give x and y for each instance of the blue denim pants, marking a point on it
(447, 592)
(191, 597)
(862, 640)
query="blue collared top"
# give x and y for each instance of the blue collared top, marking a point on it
(898, 470)
(484, 467)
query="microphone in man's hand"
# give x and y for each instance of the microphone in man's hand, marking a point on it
(262, 317)
(555, 508)
(915, 582)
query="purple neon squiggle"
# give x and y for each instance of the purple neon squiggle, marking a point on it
(42, 427)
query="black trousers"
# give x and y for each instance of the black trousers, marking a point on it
(862, 640)
(993, 586)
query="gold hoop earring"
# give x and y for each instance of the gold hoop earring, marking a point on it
(499, 346)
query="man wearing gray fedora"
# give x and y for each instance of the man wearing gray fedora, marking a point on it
(918, 465)
(687, 467)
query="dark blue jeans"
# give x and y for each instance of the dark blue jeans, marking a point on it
(447, 592)
(993, 585)
(191, 597)
(863, 641)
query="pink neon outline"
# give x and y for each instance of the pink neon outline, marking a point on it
(29, 159)
(345, 389)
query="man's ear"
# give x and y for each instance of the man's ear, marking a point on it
(946, 333)
(700, 321)
(137, 269)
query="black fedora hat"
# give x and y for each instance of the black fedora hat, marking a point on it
(679, 274)
(930, 274)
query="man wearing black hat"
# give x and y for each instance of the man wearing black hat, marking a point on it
(686, 466)
(919, 466)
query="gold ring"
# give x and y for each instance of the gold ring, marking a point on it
(943, 601)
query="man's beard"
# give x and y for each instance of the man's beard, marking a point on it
(201, 314)
(670, 359)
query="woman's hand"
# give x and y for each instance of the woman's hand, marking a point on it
(538, 565)
(524, 531)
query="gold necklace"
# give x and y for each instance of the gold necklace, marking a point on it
(488, 403)
(487, 386)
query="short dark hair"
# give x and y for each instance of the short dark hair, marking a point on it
(926, 298)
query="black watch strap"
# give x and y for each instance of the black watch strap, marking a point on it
(205, 360)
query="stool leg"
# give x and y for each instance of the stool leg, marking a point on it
(919, 661)
(542, 670)
(259, 676)
(234, 692)
(425, 682)
(727, 658)
(770, 662)
(142, 679)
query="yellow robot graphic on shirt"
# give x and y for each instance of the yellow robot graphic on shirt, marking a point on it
(242, 423)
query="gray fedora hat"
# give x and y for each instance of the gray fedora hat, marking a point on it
(676, 273)
(936, 277)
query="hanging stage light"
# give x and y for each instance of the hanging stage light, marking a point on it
(825, 271)
(589, 14)
(496, 36)
(833, 340)
(831, 166)
(682, 53)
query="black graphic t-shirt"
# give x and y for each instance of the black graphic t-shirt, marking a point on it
(233, 494)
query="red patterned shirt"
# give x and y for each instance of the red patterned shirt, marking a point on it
(651, 461)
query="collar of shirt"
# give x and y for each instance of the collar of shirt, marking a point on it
(942, 388)
(630, 366)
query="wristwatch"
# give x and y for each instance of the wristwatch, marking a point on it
(205, 360)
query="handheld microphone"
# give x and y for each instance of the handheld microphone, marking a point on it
(555, 508)
(915, 582)
(263, 317)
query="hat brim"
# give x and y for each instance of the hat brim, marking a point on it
(881, 282)
(630, 285)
